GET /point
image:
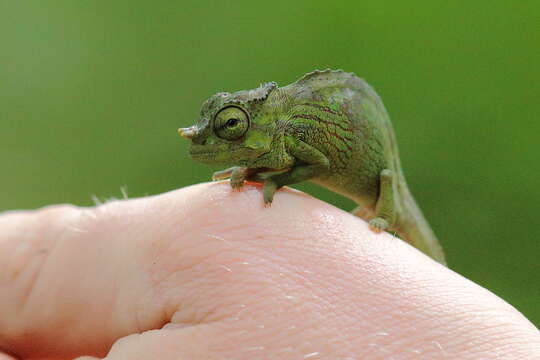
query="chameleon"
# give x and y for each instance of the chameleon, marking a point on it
(329, 127)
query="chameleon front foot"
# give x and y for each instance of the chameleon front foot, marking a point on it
(269, 189)
(237, 175)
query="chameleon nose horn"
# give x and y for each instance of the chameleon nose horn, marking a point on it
(188, 133)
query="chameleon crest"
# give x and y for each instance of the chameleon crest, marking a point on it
(329, 127)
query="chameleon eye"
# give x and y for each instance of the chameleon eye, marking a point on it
(231, 123)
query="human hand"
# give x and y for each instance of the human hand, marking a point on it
(207, 273)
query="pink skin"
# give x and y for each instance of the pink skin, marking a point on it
(207, 273)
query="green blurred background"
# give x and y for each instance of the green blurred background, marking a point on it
(92, 92)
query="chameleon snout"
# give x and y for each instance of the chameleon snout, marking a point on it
(188, 133)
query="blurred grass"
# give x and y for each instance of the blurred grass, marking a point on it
(91, 94)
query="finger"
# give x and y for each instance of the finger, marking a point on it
(300, 279)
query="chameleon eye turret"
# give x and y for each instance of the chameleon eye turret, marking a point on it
(231, 123)
(329, 127)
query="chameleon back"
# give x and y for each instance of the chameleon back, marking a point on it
(342, 116)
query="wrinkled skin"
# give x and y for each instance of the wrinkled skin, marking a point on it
(329, 127)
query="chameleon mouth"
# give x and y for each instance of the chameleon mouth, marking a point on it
(212, 154)
(202, 155)
(205, 150)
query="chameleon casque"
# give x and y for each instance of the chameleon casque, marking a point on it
(329, 127)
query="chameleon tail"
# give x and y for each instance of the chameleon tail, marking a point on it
(416, 231)
(413, 228)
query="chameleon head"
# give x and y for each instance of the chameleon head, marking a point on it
(233, 129)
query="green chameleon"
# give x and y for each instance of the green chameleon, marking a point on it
(329, 127)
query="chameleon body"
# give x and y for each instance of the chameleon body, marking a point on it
(329, 127)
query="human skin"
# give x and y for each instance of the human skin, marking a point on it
(207, 273)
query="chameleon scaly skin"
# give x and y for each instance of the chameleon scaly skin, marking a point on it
(329, 127)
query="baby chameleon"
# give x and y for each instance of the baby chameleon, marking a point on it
(329, 127)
